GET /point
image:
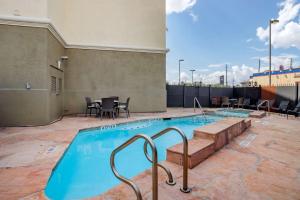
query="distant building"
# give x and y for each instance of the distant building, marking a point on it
(278, 78)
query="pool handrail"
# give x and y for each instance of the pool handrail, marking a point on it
(154, 166)
(185, 187)
(170, 180)
(196, 101)
(262, 103)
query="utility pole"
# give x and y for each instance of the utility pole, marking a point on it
(291, 63)
(192, 70)
(272, 21)
(226, 75)
(258, 65)
(179, 61)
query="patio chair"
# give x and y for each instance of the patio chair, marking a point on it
(108, 107)
(295, 111)
(125, 107)
(246, 103)
(282, 108)
(239, 103)
(265, 105)
(225, 102)
(216, 101)
(254, 106)
(90, 105)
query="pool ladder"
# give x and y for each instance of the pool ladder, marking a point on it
(155, 164)
(196, 102)
(268, 105)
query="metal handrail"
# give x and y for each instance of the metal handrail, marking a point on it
(154, 166)
(197, 101)
(185, 187)
(263, 102)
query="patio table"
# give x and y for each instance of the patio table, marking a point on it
(232, 102)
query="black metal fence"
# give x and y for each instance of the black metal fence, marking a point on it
(182, 96)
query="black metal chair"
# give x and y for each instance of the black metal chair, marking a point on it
(108, 106)
(282, 108)
(295, 111)
(246, 103)
(90, 105)
(254, 106)
(125, 107)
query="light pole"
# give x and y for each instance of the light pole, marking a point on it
(192, 70)
(179, 61)
(272, 21)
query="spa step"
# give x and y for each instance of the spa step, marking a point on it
(199, 150)
(222, 131)
(257, 114)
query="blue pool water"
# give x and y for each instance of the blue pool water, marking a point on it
(84, 170)
(228, 112)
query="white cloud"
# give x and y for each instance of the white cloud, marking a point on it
(178, 6)
(286, 33)
(217, 65)
(235, 74)
(194, 16)
(249, 40)
(258, 49)
(184, 77)
(283, 59)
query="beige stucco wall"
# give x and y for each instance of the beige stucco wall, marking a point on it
(22, 60)
(55, 99)
(25, 8)
(134, 23)
(119, 23)
(98, 74)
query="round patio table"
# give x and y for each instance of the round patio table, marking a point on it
(232, 102)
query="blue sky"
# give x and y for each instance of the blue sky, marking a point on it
(207, 34)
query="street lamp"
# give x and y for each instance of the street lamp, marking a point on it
(180, 60)
(192, 70)
(272, 21)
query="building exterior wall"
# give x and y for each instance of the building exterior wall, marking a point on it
(55, 99)
(98, 74)
(25, 8)
(114, 48)
(121, 23)
(285, 79)
(23, 60)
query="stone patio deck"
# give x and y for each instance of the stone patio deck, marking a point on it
(262, 163)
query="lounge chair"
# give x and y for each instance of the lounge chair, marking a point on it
(90, 106)
(108, 106)
(255, 106)
(246, 103)
(295, 111)
(125, 107)
(282, 108)
(225, 102)
(239, 103)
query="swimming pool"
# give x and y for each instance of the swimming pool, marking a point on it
(84, 170)
(228, 112)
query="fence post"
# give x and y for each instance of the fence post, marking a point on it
(209, 102)
(183, 96)
(297, 93)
